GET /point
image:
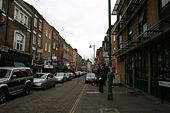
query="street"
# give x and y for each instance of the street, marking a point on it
(59, 99)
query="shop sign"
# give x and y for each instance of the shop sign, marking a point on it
(164, 83)
(3, 48)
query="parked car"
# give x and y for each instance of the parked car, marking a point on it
(68, 76)
(14, 80)
(77, 73)
(71, 75)
(90, 77)
(44, 80)
(60, 77)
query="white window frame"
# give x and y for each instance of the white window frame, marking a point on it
(49, 48)
(21, 19)
(46, 46)
(15, 40)
(1, 1)
(164, 2)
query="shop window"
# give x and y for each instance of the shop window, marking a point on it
(19, 41)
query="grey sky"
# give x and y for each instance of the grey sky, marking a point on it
(80, 22)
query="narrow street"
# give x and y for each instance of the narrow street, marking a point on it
(53, 100)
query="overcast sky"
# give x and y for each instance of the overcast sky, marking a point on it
(80, 22)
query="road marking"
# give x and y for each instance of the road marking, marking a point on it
(92, 92)
(77, 101)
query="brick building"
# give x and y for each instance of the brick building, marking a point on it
(143, 44)
(36, 47)
(17, 34)
(47, 45)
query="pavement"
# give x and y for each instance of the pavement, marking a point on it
(125, 100)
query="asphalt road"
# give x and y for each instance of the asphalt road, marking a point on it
(59, 99)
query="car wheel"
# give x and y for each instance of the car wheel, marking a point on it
(2, 96)
(45, 86)
(27, 89)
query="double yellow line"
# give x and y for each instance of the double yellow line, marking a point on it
(77, 101)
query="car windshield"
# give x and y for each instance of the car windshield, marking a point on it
(4, 73)
(90, 75)
(42, 76)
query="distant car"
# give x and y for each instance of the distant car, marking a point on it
(60, 77)
(90, 77)
(69, 75)
(78, 73)
(43, 80)
(14, 80)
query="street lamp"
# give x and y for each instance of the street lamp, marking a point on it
(110, 52)
(93, 46)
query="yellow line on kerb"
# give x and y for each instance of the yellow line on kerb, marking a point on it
(77, 101)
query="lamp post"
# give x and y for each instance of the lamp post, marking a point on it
(110, 60)
(93, 46)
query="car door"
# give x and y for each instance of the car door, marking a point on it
(51, 79)
(14, 84)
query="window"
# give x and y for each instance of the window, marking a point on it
(34, 38)
(142, 21)
(164, 2)
(120, 42)
(25, 20)
(49, 48)
(130, 29)
(16, 14)
(49, 35)
(46, 33)
(45, 46)
(19, 41)
(40, 25)
(54, 35)
(39, 41)
(0, 4)
(21, 18)
(35, 22)
(54, 45)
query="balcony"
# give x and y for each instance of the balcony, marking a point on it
(161, 26)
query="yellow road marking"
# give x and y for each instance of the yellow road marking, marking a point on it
(77, 101)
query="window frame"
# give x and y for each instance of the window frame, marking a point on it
(15, 43)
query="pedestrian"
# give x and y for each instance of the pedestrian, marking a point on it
(102, 77)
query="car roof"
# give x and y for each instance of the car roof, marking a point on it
(12, 68)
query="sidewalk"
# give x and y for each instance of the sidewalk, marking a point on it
(125, 100)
